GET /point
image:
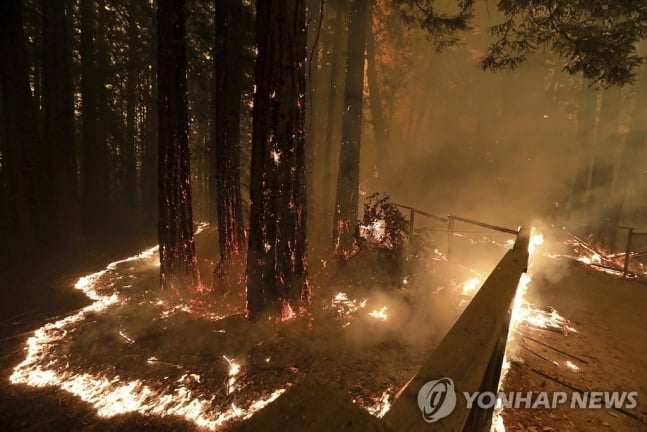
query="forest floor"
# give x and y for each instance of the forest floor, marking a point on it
(364, 338)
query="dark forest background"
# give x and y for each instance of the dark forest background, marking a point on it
(259, 105)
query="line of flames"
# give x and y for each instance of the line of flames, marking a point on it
(111, 396)
(525, 313)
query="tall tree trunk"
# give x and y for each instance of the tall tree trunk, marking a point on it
(318, 47)
(346, 201)
(58, 105)
(630, 204)
(178, 264)
(277, 258)
(585, 128)
(94, 173)
(226, 148)
(19, 134)
(377, 113)
(627, 169)
(607, 143)
(150, 149)
(334, 105)
(130, 169)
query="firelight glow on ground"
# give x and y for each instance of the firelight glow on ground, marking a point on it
(113, 395)
(110, 394)
(526, 313)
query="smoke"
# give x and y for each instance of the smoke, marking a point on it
(503, 148)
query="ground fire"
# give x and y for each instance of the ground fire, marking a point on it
(323, 215)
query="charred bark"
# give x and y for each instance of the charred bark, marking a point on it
(178, 265)
(346, 201)
(277, 259)
(226, 149)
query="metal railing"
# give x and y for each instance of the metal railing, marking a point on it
(628, 245)
(451, 222)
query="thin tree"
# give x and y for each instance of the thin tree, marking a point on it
(277, 259)
(178, 265)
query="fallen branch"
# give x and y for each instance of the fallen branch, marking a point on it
(547, 360)
(552, 348)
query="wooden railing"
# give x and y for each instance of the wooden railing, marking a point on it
(471, 354)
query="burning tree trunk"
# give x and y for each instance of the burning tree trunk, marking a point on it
(346, 201)
(226, 150)
(276, 260)
(178, 266)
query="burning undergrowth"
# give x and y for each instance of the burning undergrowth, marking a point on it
(365, 334)
(130, 351)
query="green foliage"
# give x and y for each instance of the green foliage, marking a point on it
(442, 27)
(596, 38)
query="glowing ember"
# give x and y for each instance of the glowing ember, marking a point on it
(381, 406)
(126, 338)
(471, 285)
(286, 312)
(375, 231)
(545, 319)
(572, 366)
(345, 306)
(234, 370)
(439, 256)
(379, 314)
(593, 259)
(111, 395)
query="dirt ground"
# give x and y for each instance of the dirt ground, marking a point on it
(609, 349)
